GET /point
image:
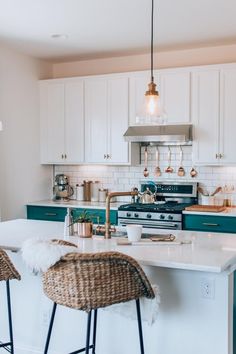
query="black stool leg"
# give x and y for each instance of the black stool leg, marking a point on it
(50, 328)
(140, 326)
(94, 330)
(88, 332)
(9, 316)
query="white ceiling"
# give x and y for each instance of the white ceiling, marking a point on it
(102, 28)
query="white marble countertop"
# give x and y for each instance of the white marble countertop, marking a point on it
(227, 212)
(75, 204)
(205, 252)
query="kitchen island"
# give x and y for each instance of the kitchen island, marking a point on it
(196, 287)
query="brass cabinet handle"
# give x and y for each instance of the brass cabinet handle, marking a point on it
(209, 224)
(50, 214)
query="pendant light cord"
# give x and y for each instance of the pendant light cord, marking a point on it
(152, 15)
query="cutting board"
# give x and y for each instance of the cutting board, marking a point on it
(207, 208)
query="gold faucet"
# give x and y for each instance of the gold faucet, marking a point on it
(107, 229)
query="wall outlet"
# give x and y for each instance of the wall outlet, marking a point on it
(207, 288)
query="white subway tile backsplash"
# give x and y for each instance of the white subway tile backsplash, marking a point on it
(126, 177)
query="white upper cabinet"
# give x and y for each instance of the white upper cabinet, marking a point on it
(118, 113)
(52, 122)
(174, 89)
(106, 120)
(228, 115)
(205, 116)
(214, 112)
(175, 95)
(95, 120)
(62, 122)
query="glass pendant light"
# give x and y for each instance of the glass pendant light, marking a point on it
(151, 111)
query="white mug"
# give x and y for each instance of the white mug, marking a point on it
(134, 232)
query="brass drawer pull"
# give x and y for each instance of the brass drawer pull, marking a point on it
(209, 224)
(50, 214)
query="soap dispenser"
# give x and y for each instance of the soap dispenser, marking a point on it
(68, 226)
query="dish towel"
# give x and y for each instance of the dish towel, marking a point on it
(39, 254)
(149, 308)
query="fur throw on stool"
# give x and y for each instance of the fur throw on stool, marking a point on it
(39, 255)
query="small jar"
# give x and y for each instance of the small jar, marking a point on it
(80, 192)
(102, 195)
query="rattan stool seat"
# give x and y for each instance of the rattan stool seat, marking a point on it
(7, 273)
(93, 280)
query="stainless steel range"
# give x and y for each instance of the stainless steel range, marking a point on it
(166, 212)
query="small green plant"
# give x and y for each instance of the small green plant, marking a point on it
(82, 217)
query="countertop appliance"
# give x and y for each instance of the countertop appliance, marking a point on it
(61, 189)
(166, 213)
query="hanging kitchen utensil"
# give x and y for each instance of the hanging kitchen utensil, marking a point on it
(145, 171)
(157, 170)
(201, 191)
(169, 169)
(181, 171)
(217, 190)
(193, 171)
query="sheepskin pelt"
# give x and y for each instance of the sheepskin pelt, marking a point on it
(39, 255)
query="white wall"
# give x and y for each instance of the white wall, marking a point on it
(22, 178)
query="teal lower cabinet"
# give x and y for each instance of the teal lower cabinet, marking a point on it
(210, 223)
(59, 213)
(98, 216)
(46, 213)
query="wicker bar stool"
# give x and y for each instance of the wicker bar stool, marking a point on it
(8, 272)
(91, 281)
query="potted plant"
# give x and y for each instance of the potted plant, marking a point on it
(84, 224)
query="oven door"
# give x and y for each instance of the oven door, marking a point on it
(151, 224)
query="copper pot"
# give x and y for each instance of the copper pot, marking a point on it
(85, 229)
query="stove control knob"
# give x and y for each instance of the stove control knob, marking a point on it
(149, 216)
(136, 215)
(170, 217)
(128, 215)
(162, 216)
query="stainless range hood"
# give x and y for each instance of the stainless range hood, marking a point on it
(166, 134)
